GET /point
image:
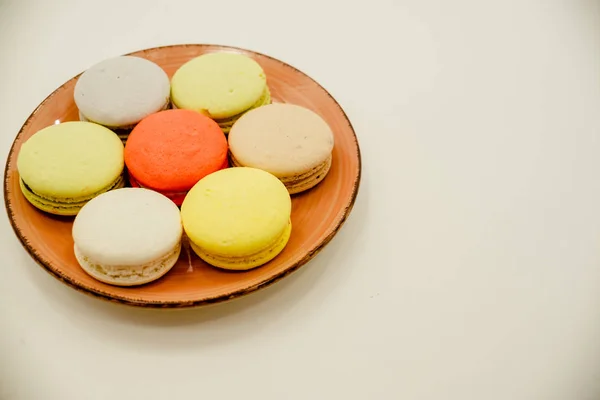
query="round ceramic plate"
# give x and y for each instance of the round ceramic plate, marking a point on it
(316, 214)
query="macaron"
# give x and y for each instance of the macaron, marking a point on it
(121, 91)
(127, 237)
(289, 141)
(237, 218)
(64, 166)
(223, 86)
(170, 151)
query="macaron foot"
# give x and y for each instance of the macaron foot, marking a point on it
(64, 207)
(299, 183)
(296, 186)
(127, 275)
(227, 123)
(247, 262)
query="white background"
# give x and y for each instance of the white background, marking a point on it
(469, 268)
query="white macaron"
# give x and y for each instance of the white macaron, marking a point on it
(128, 236)
(121, 91)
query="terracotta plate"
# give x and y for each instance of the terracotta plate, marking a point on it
(317, 214)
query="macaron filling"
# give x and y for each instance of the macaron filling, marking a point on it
(244, 262)
(123, 131)
(115, 184)
(307, 181)
(127, 274)
(176, 197)
(299, 182)
(226, 123)
(66, 205)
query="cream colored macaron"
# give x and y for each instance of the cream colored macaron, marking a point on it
(291, 142)
(128, 236)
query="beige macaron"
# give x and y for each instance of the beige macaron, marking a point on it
(291, 142)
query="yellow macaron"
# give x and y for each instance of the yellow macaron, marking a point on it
(237, 218)
(64, 166)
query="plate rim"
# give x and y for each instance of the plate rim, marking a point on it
(169, 304)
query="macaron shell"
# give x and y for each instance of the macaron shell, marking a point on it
(172, 150)
(247, 262)
(120, 91)
(129, 227)
(71, 161)
(176, 197)
(127, 275)
(60, 206)
(283, 139)
(122, 133)
(227, 123)
(219, 85)
(236, 212)
(305, 183)
(299, 183)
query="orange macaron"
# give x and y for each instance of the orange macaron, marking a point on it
(170, 151)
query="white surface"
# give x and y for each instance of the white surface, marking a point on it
(470, 267)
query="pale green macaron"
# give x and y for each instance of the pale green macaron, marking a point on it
(222, 86)
(64, 166)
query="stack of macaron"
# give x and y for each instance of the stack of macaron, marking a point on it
(206, 157)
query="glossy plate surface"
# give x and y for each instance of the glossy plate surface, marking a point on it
(316, 215)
